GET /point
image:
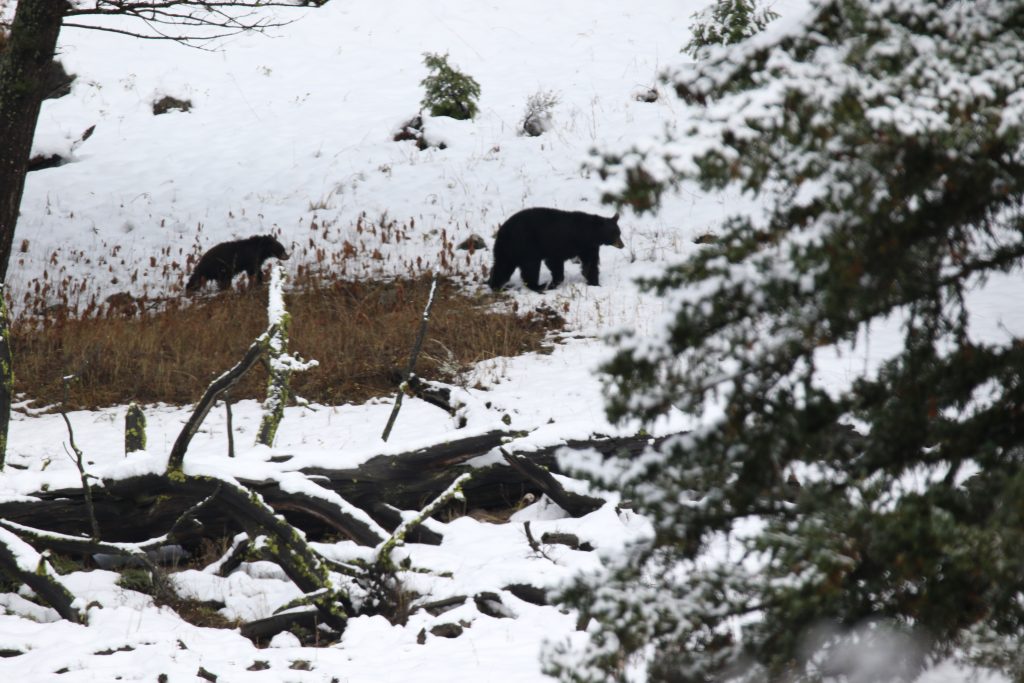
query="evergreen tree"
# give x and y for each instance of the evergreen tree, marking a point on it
(885, 140)
(448, 91)
(727, 22)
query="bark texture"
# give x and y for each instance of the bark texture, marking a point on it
(24, 68)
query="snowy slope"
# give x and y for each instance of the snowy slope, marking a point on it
(297, 128)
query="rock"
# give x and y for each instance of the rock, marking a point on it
(472, 243)
(571, 540)
(645, 94)
(57, 81)
(167, 103)
(447, 631)
(490, 604)
(528, 593)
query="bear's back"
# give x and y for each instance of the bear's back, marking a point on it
(551, 233)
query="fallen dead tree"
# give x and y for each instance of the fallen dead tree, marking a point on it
(139, 508)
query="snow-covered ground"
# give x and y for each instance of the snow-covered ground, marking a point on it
(291, 134)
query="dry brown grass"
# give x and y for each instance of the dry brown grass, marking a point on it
(358, 331)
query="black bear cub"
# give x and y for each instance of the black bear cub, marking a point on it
(551, 236)
(226, 260)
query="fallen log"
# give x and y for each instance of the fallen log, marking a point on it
(137, 509)
(20, 561)
(575, 504)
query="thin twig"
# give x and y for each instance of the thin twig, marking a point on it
(193, 511)
(409, 373)
(225, 17)
(78, 459)
(534, 545)
(231, 431)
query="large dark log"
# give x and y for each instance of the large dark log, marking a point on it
(323, 511)
(262, 630)
(142, 508)
(575, 504)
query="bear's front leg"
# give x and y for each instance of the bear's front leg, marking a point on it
(557, 268)
(590, 271)
(254, 269)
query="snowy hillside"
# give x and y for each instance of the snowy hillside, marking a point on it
(291, 134)
(294, 130)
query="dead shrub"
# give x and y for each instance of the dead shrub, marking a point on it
(358, 331)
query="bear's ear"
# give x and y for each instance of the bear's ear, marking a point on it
(615, 218)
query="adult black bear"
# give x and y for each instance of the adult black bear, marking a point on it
(226, 260)
(551, 236)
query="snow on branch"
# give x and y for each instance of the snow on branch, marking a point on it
(280, 362)
(454, 491)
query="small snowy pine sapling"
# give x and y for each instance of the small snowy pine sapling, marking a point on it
(449, 92)
(537, 116)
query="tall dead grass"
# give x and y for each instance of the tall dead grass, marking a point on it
(360, 332)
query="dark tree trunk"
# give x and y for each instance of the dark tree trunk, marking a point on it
(24, 67)
(6, 377)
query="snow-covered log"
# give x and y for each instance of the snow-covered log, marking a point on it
(140, 508)
(575, 504)
(20, 561)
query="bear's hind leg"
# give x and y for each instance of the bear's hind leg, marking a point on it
(530, 270)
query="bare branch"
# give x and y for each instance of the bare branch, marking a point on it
(78, 459)
(411, 369)
(216, 388)
(199, 22)
(534, 545)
